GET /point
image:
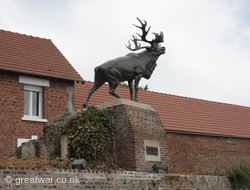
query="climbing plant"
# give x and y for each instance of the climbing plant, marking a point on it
(91, 136)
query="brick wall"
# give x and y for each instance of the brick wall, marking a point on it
(133, 126)
(81, 179)
(205, 154)
(55, 98)
(11, 109)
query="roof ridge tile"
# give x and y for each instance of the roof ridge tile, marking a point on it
(25, 34)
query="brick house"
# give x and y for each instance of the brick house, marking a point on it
(37, 84)
(202, 136)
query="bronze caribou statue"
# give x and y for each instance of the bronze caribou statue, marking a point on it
(131, 67)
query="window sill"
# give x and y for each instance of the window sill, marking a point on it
(25, 118)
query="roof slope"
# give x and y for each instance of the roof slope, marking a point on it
(28, 54)
(180, 113)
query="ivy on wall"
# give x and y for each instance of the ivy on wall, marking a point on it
(91, 136)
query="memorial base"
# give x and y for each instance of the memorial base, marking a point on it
(140, 138)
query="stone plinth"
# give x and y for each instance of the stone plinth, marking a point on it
(140, 139)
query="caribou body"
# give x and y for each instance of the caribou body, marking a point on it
(131, 67)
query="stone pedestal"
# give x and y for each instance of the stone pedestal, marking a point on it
(140, 139)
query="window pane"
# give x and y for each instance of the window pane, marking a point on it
(35, 98)
(26, 102)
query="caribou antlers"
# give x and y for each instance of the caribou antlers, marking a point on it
(154, 43)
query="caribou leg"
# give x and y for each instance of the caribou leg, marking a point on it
(130, 84)
(137, 80)
(112, 87)
(91, 91)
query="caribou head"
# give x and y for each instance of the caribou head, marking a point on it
(154, 44)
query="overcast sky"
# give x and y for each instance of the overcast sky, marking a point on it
(207, 41)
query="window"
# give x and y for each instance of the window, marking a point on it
(32, 101)
(33, 91)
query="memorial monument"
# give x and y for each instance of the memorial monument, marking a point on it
(131, 67)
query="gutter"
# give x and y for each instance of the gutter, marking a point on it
(44, 75)
(204, 134)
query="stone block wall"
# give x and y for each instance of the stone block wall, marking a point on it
(56, 99)
(135, 123)
(52, 133)
(37, 178)
(197, 154)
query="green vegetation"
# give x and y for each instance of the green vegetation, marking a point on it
(240, 176)
(126, 85)
(91, 137)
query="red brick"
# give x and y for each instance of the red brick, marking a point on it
(197, 154)
(133, 126)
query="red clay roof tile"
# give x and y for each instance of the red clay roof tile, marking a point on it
(180, 113)
(23, 53)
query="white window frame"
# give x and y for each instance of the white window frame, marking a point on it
(22, 140)
(34, 85)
